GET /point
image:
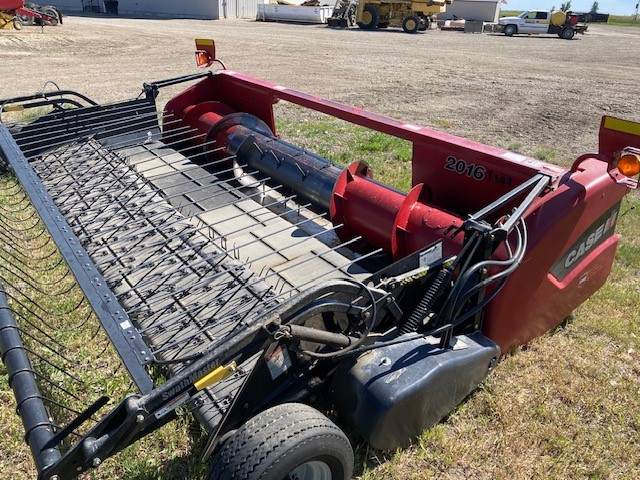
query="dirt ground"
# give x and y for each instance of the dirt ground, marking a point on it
(527, 93)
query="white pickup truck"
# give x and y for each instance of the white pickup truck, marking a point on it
(563, 24)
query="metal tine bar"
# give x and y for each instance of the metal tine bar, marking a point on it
(129, 143)
(258, 280)
(39, 341)
(209, 226)
(119, 108)
(10, 234)
(172, 211)
(159, 200)
(177, 343)
(95, 170)
(21, 201)
(149, 182)
(97, 123)
(127, 161)
(190, 312)
(19, 256)
(165, 324)
(9, 242)
(32, 279)
(187, 217)
(55, 384)
(39, 290)
(77, 157)
(77, 174)
(64, 407)
(34, 214)
(39, 330)
(170, 164)
(159, 245)
(224, 254)
(75, 142)
(158, 262)
(88, 133)
(57, 367)
(165, 199)
(56, 314)
(204, 261)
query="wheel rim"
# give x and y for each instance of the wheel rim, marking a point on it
(313, 470)
(367, 18)
(411, 24)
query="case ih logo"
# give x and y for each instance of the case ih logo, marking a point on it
(601, 229)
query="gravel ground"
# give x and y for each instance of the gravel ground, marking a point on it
(528, 93)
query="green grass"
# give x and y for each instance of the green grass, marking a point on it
(566, 406)
(624, 21)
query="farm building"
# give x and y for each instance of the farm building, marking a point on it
(210, 9)
(480, 10)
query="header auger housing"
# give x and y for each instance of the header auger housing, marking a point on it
(265, 282)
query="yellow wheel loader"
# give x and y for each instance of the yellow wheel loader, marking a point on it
(410, 15)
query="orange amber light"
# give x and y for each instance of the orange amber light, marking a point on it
(629, 164)
(203, 59)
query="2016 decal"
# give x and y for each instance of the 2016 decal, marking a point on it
(459, 166)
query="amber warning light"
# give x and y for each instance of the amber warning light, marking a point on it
(205, 52)
(629, 164)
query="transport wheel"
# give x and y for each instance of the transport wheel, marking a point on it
(369, 18)
(26, 20)
(51, 12)
(509, 30)
(567, 33)
(411, 24)
(424, 24)
(286, 442)
(17, 23)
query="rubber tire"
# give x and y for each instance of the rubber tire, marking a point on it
(411, 24)
(510, 30)
(374, 18)
(26, 20)
(383, 25)
(17, 23)
(567, 34)
(424, 24)
(53, 13)
(273, 443)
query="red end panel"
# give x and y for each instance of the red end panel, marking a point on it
(222, 88)
(616, 134)
(11, 4)
(569, 256)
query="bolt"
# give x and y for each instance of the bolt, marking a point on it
(54, 477)
(140, 418)
(385, 361)
(96, 462)
(78, 468)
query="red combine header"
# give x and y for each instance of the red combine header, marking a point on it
(267, 283)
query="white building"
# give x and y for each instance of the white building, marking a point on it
(481, 10)
(210, 9)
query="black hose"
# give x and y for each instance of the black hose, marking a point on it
(425, 305)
